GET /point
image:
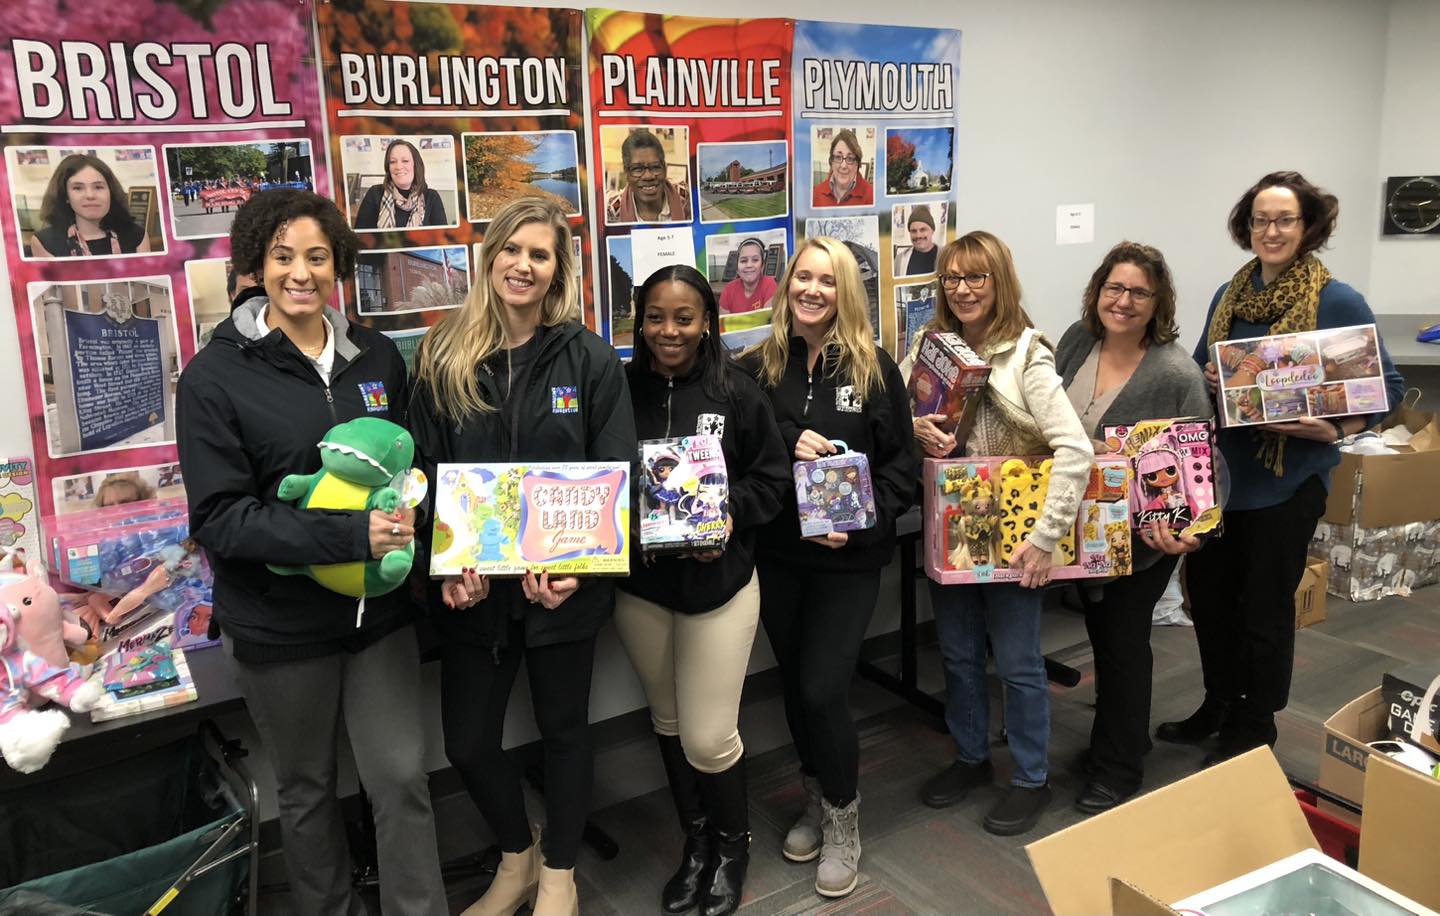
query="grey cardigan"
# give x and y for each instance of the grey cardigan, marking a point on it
(1167, 383)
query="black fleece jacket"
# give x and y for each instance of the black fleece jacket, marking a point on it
(877, 424)
(529, 427)
(759, 477)
(249, 411)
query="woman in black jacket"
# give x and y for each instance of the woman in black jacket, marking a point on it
(828, 381)
(403, 200)
(278, 373)
(485, 382)
(688, 622)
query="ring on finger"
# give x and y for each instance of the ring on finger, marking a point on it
(395, 530)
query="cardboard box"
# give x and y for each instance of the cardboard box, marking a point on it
(1344, 756)
(1310, 596)
(1334, 372)
(1400, 831)
(1403, 690)
(946, 378)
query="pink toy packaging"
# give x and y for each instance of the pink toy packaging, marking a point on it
(834, 493)
(684, 495)
(946, 377)
(1173, 473)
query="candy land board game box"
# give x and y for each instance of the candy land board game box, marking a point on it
(684, 496)
(566, 518)
(978, 510)
(1172, 473)
(1330, 373)
(834, 493)
(946, 377)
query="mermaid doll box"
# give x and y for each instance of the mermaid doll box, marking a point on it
(1334, 372)
(978, 510)
(567, 518)
(683, 498)
(946, 378)
(1172, 478)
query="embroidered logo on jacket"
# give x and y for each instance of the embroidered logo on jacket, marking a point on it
(848, 400)
(565, 399)
(710, 424)
(374, 396)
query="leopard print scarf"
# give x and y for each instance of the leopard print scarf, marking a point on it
(1289, 304)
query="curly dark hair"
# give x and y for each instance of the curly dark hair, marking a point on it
(55, 209)
(1318, 210)
(1161, 329)
(265, 216)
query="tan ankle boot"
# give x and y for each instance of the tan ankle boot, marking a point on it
(557, 895)
(516, 881)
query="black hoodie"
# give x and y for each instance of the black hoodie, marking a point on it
(877, 424)
(571, 404)
(759, 477)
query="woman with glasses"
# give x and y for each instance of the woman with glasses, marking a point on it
(828, 381)
(649, 196)
(1024, 412)
(1120, 364)
(1242, 585)
(845, 186)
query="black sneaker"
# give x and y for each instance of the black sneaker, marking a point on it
(952, 784)
(1201, 724)
(1018, 810)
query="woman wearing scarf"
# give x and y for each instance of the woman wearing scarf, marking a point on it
(402, 200)
(1242, 584)
(85, 213)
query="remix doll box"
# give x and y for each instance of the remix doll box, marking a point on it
(1172, 475)
(834, 493)
(566, 518)
(1331, 373)
(684, 496)
(978, 510)
(946, 377)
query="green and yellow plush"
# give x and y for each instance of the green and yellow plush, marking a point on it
(362, 459)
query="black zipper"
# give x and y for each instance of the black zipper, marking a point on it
(669, 393)
(809, 390)
(330, 403)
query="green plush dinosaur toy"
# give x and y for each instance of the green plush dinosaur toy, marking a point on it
(361, 459)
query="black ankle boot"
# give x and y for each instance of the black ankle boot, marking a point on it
(683, 891)
(729, 813)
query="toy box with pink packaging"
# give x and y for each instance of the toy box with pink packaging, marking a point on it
(1173, 473)
(978, 510)
(1333, 372)
(946, 377)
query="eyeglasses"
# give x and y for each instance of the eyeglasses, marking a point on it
(842, 159)
(974, 281)
(640, 171)
(1138, 294)
(1262, 223)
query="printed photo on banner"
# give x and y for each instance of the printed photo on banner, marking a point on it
(214, 287)
(400, 280)
(208, 182)
(501, 167)
(744, 270)
(917, 233)
(397, 183)
(86, 202)
(861, 234)
(108, 356)
(117, 486)
(743, 180)
(842, 167)
(647, 174)
(914, 308)
(621, 268)
(918, 160)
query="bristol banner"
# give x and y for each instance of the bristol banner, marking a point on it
(690, 126)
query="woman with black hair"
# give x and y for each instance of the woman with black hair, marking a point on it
(85, 213)
(402, 200)
(688, 622)
(278, 373)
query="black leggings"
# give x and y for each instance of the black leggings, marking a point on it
(816, 620)
(474, 693)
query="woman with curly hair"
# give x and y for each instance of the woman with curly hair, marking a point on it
(402, 200)
(276, 375)
(85, 213)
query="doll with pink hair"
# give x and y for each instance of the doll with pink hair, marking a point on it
(1161, 490)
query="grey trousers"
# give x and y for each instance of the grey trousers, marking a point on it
(297, 707)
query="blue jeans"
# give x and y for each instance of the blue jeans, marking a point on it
(1010, 616)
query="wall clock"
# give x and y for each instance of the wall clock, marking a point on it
(1412, 206)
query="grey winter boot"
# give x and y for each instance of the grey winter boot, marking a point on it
(839, 867)
(802, 843)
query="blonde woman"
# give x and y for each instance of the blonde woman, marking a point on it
(1025, 412)
(828, 381)
(485, 382)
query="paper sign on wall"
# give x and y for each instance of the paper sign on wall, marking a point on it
(1074, 224)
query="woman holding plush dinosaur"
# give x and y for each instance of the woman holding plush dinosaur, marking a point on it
(277, 374)
(485, 382)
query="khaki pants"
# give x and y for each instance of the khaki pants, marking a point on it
(692, 667)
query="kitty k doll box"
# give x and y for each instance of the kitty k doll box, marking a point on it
(978, 510)
(1173, 475)
(503, 519)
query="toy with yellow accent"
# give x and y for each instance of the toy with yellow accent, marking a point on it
(1172, 473)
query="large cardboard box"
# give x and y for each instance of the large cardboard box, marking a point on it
(1310, 596)
(1400, 831)
(1344, 756)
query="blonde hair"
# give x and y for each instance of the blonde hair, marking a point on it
(452, 353)
(857, 364)
(983, 250)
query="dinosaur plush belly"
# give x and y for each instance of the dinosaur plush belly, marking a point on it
(331, 492)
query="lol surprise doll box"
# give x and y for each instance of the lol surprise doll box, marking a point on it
(978, 510)
(834, 493)
(566, 518)
(947, 375)
(684, 495)
(1333, 372)
(1172, 473)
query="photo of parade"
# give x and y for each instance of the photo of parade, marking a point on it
(207, 183)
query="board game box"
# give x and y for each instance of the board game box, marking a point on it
(946, 376)
(684, 496)
(1333, 372)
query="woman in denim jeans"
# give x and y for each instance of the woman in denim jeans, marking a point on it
(1025, 411)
